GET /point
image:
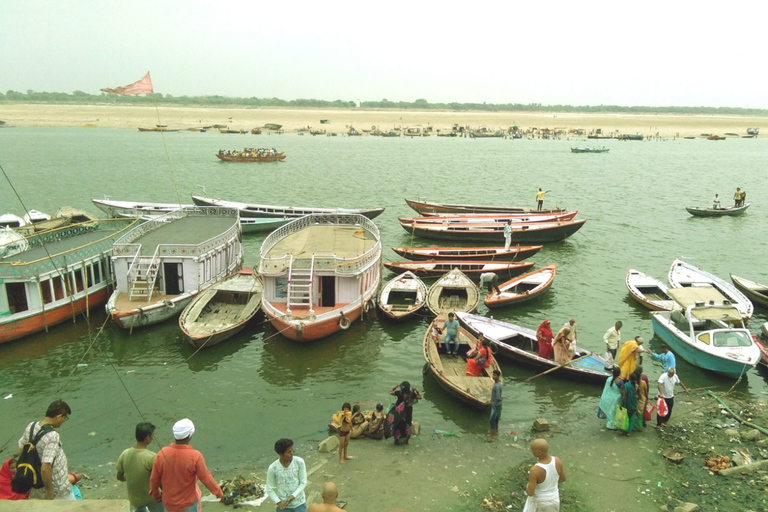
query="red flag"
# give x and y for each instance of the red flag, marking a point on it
(143, 86)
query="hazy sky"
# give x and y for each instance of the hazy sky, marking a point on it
(672, 52)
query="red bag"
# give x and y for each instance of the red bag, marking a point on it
(649, 408)
(663, 410)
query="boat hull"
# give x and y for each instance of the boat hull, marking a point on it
(537, 283)
(682, 275)
(303, 329)
(700, 211)
(409, 287)
(470, 268)
(533, 234)
(425, 207)
(468, 253)
(649, 292)
(151, 314)
(237, 158)
(754, 291)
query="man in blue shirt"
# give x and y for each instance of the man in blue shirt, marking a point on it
(666, 357)
(451, 328)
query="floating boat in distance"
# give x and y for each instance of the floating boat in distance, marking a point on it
(703, 211)
(402, 296)
(488, 218)
(588, 149)
(451, 372)
(158, 128)
(522, 289)
(648, 291)
(683, 275)
(428, 207)
(533, 233)
(514, 253)
(222, 310)
(711, 337)
(321, 272)
(520, 345)
(755, 291)
(262, 210)
(470, 268)
(453, 292)
(272, 126)
(252, 156)
(162, 264)
(51, 277)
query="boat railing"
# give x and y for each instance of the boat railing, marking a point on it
(159, 221)
(290, 275)
(311, 282)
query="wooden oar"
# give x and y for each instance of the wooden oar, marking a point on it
(557, 367)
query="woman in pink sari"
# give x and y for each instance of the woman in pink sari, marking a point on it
(544, 337)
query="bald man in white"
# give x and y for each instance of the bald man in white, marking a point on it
(544, 478)
(330, 495)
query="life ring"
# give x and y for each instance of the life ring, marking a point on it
(344, 322)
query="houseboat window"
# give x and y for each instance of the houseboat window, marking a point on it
(732, 339)
(45, 290)
(281, 287)
(17, 297)
(704, 338)
(105, 268)
(58, 289)
(78, 276)
(96, 272)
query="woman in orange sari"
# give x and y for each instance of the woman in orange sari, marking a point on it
(476, 365)
(628, 356)
(544, 337)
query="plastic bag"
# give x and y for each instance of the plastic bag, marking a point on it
(608, 360)
(649, 408)
(621, 420)
(661, 407)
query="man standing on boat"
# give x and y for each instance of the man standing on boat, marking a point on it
(493, 282)
(716, 203)
(507, 235)
(571, 325)
(540, 198)
(737, 198)
(612, 338)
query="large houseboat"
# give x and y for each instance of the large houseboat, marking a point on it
(51, 277)
(162, 264)
(321, 272)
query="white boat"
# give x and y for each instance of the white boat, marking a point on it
(522, 289)
(52, 277)
(222, 310)
(402, 296)
(649, 291)
(710, 336)
(321, 272)
(264, 210)
(453, 292)
(12, 220)
(162, 264)
(682, 275)
(755, 291)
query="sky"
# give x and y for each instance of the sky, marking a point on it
(640, 53)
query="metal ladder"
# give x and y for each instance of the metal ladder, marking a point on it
(142, 277)
(300, 284)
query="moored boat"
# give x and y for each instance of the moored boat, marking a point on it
(451, 372)
(453, 292)
(262, 210)
(470, 268)
(402, 296)
(683, 275)
(427, 207)
(520, 345)
(159, 128)
(704, 211)
(537, 232)
(755, 291)
(222, 310)
(711, 337)
(522, 289)
(588, 149)
(514, 253)
(489, 218)
(251, 156)
(648, 291)
(321, 272)
(51, 277)
(161, 265)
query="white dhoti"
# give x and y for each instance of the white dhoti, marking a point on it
(507, 241)
(541, 506)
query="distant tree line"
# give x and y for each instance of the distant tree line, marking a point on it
(84, 98)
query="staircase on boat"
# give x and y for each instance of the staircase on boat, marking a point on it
(142, 277)
(300, 284)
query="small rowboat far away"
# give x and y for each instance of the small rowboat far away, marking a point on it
(522, 289)
(755, 291)
(451, 372)
(516, 253)
(703, 211)
(453, 292)
(588, 149)
(684, 275)
(470, 268)
(520, 344)
(251, 157)
(263, 210)
(402, 296)
(426, 207)
(222, 310)
(649, 291)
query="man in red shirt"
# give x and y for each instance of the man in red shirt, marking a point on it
(176, 470)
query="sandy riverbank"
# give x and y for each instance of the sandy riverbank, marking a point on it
(131, 117)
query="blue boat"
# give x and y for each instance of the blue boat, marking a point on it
(707, 334)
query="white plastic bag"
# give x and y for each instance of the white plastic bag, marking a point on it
(608, 360)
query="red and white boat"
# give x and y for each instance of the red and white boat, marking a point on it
(321, 273)
(489, 218)
(514, 253)
(522, 289)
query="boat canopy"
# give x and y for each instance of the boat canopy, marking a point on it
(722, 313)
(690, 295)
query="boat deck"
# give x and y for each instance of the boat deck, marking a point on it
(301, 312)
(342, 241)
(122, 303)
(184, 231)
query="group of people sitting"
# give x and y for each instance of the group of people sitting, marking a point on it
(562, 344)
(250, 152)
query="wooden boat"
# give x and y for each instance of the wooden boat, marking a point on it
(162, 264)
(241, 157)
(52, 277)
(256, 131)
(158, 128)
(683, 275)
(222, 310)
(11, 220)
(533, 233)
(485, 218)
(236, 132)
(755, 291)
(453, 292)
(711, 337)
(262, 210)
(76, 214)
(451, 372)
(470, 268)
(631, 136)
(704, 211)
(520, 345)
(272, 126)
(321, 272)
(522, 289)
(514, 253)
(588, 149)
(391, 133)
(402, 296)
(763, 349)
(648, 291)
(753, 131)
(498, 134)
(715, 137)
(427, 207)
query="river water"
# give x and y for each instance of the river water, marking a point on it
(259, 386)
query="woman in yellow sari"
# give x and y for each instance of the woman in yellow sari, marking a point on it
(628, 356)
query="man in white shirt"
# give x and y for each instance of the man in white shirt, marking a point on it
(612, 338)
(667, 383)
(287, 478)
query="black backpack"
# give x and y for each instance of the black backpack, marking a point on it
(28, 464)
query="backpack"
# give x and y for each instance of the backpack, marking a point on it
(28, 464)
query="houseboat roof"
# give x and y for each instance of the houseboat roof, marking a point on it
(191, 230)
(343, 241)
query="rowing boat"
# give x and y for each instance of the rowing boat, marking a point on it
(402, 297)
(519, 252)
(263, 210)
(522, 289)
(755, 291)
(471, 268)
(453, 292)
(648, 291)
(427, 207)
